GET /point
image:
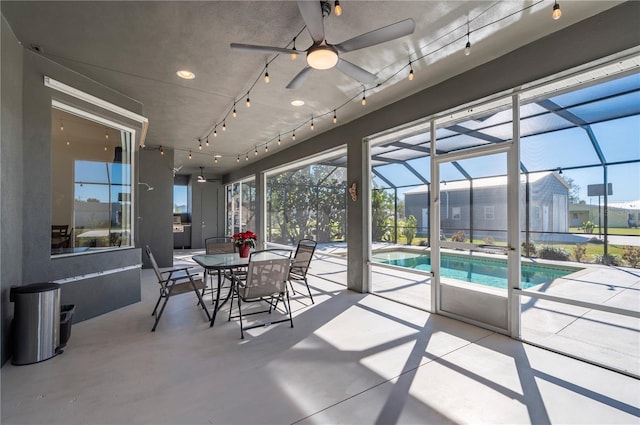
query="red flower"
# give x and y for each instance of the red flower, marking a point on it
(245, 238)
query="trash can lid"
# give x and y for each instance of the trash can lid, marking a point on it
(35, 288)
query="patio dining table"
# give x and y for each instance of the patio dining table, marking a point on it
(220, 263)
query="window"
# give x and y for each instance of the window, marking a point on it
(91, 183)
(180, 199)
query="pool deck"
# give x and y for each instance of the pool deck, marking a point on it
(605, 338)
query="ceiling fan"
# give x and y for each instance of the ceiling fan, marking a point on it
(322, 55)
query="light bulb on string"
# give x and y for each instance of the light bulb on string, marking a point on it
(364, 98)
(235, 113)
(266, 74)
(215, 132)
(279, 140)
(105, 148)
(410, 72)
(61, 126)
(256, 151)
(266, 148)
(224, 126)
(238, 158)
(207, 142)
(199, 144)
(106, 134)
(293, 136)
(248, 101)
(215, 159)
(68, 143)
(246, 158)
(335, 117)
(337, 9)
(189, 154)
(557, 13)
(294, 55)
(161, 151)
(311, 126)
(467, 47)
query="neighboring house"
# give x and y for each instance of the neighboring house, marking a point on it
(480, 205)
(619, 214)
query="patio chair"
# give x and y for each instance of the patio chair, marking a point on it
(174, 282)
(300, 264)
(265, 281)
(216, 245)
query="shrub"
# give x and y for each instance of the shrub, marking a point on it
(459, 236)
(579, 250)
(423, 242)
(608, 260)
(631, 255)
(529, 249)
(588, 226)
(489, 240)
(410, 228)
(551, 253)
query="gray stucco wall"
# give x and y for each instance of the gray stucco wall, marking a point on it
(10, 175)
(28, 102)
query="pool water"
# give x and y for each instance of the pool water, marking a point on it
(480, 270)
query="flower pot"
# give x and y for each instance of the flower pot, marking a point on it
(244, 251)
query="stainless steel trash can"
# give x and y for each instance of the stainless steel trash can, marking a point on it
(36, 322)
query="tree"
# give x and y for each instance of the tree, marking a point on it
(381, 214)
(574, 190)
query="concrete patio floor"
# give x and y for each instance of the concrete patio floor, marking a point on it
(351, 358)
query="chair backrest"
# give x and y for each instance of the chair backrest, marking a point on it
(154, 264)
(219, 245)
(304, 254)
(267, 273)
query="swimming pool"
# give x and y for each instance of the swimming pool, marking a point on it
(481, 270)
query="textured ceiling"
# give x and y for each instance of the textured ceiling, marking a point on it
(137, 47)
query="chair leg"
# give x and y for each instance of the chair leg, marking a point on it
(291, 284)
(157, 304)
(288, 305)
(233, 294)
(166, 299)
(309, 289)
(240, 314)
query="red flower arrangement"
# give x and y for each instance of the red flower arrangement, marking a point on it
(245, 238)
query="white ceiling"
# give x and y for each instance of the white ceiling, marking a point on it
(137, 47)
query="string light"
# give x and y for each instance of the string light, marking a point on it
(215, 132)
(335, 117)
(293, 136)
(161, 151)
(224, 126)
(557, 13)
(68, 142)
(364, 98)
(279, 141)
(410, 72)
(199, 144)
(215, 159)
(61, 126)
(256, 151)
(294, 55)
(235, 113)
(106, 134)
(238, 158)
(467, 48)
(246, 158)
(189, 154)
(311, 124)
(248, 101)
(207, 142)
(266, 74)
(337, 9)
(266, 148)
(105, 148)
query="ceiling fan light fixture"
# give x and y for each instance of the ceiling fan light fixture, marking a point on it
(322, 57)
(185, 74)
(297, 102)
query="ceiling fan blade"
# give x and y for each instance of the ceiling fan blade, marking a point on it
(355, 72)
(381, 35)
(311, 12)
(262, 49)
(299, 79)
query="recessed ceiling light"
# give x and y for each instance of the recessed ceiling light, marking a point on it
(297, 102)
(187, 75)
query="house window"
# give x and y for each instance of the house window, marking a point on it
(455, 213)
(489, 213)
